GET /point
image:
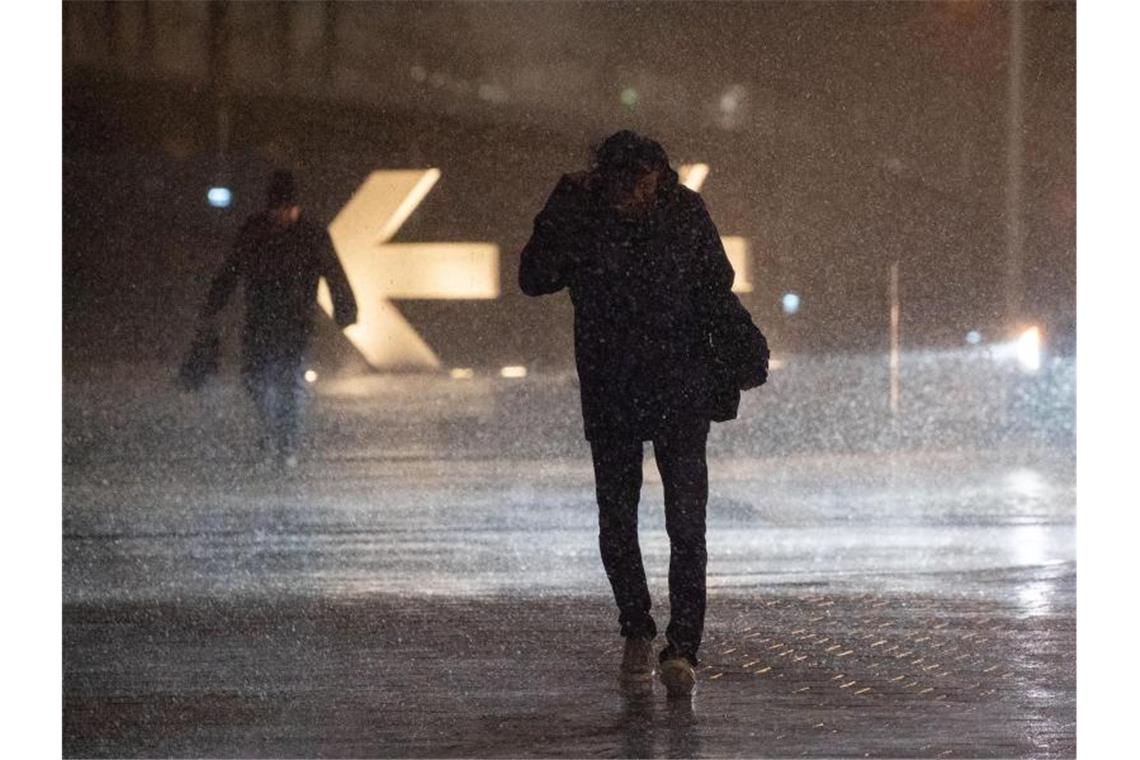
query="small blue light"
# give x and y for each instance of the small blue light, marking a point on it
(791, 303)
(973, 337)
(219, 197)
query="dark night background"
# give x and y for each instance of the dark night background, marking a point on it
(841, 137)
(425, 581)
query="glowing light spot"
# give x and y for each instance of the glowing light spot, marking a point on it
(310, 376)
(629, 97)
(513, 371)
(219, 197)
(462, 373)
(791, 303)
(1029, 350)
(731, 99)
(693, 176)
(973, 337)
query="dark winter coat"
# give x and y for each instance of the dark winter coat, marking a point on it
(649, 296)
(280, 267)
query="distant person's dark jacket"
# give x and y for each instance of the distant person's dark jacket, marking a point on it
(650, 298)
(280, 267)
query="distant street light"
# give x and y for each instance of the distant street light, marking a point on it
(219, 197)
(1029, 349)
(730, 100)
(1014, 169)
(1026, 349)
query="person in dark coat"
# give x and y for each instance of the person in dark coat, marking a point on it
(279, 257)
(652, 293)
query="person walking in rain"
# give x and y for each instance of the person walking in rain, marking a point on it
(662, 346)
(278, 256)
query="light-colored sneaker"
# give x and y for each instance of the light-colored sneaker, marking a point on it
(637, 662)
(678, 676)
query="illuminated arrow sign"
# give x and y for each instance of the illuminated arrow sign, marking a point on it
(693, 176)
(378, 270)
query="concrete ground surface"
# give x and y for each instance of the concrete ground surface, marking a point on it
(405, 594)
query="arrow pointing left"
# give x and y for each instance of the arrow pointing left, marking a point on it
(378, 270)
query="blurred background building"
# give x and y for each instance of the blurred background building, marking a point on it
(842, 138)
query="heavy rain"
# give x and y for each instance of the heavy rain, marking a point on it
(369, 502)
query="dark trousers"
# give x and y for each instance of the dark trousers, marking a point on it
(275, 387)
(617, 473)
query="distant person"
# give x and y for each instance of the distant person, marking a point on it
(278, 256)
(662, 347)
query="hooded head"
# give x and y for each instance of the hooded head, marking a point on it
(633, 170)
(626, 150)
(282, 190)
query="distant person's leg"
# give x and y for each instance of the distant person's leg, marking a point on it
(617, 477)
(256, 379)
(681, 460)
(279, 394)
(288, 401)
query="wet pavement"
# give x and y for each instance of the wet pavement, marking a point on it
(785, 672)
(402, 594)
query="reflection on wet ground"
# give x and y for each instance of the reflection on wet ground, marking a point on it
(799, 671)
(442, 600)
(153, 529)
